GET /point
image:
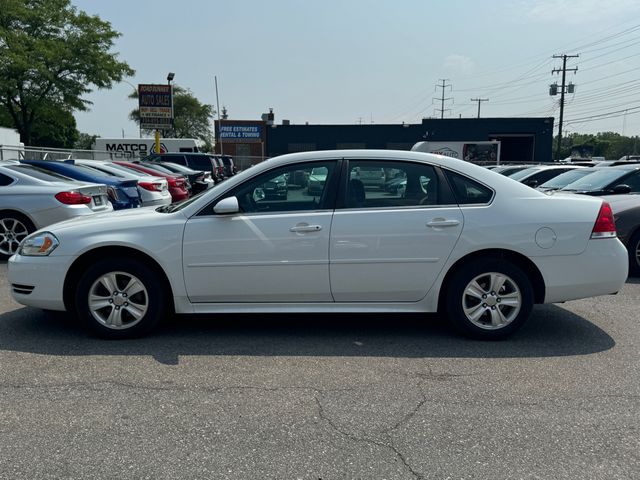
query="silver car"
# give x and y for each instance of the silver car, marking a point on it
(31, 198)
(153, 190)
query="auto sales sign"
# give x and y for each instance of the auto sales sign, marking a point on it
(155, 103)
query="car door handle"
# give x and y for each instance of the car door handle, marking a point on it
(442, 222)
(305, 228)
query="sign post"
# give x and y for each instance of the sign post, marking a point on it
(155, 104)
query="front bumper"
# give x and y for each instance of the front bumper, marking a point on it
(46, 276)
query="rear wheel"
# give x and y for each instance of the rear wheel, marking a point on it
(489, 299)
(13, 229)
(120, 298)
(633, 248)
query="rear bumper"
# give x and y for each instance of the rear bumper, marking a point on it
(601, 269)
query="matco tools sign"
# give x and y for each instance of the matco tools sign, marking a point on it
(155, 103)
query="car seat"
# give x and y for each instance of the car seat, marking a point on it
(356, 195)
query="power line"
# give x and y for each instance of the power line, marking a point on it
(479, 100)
(442, 99)
(562, 92)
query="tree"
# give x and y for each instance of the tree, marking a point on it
(51, 54)
(53, 127)
(85, 141)
(192, 119)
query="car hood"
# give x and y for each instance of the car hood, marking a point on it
(134, 218)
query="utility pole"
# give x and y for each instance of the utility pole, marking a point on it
(479, 100)
(563, 88)
(442, 99)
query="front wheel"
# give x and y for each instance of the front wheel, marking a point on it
(489, 299)
(120, 298)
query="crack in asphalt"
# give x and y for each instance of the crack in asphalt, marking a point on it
(323, 416)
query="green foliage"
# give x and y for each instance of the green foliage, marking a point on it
(85, 141)
(610, 145)
(53, 127)
(192, 119)
(51, 54)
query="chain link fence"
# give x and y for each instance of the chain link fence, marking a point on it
(19, 152)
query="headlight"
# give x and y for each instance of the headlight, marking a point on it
(38, 245)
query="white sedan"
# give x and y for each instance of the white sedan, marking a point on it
(460, 239)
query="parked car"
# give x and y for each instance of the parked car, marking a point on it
(199, 180)
(370, 176)
(196, 161)
(607, 181)
(508, 170)
(626, 211)
(564, 179)
(32, 198)
(178, 185)
(122, 194)
(534, 176)
(153, 191)
(316, 180)
(229, 166)
(475, 245)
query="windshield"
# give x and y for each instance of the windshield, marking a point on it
(597, 180)
(566, 178)
(524, 173)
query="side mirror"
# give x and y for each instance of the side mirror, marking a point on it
(531, 183)
(258, 194)
(227, 205)
(622, 189)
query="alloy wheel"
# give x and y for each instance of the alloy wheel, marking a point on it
(12, 232)
(491, 301)
(118, 300)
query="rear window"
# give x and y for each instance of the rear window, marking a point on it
(566, 178)
(467, 191)
(203, 163)
(39, 173)
(524, 173)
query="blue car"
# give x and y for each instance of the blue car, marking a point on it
(121, 193)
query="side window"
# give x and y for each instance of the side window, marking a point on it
(633, 181)
(287, 189)
(5, 180)
(379, 184)
(468, 191)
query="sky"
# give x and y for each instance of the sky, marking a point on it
(378, 61)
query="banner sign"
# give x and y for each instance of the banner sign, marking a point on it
(240, 132)
(155, 103)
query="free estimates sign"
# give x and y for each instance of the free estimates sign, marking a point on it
(155, 103)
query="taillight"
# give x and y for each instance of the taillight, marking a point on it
(605, 226)
(151, 186)
(112, 194)
(72, 198)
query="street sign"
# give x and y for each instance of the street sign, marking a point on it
(155, 103)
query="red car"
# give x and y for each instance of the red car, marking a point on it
(177, 184)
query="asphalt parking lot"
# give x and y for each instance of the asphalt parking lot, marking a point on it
(324, 397)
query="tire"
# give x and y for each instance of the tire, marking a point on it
(134, 307)
(633, 247)
(499, 313)
(14, 227)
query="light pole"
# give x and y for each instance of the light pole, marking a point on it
(170, 77)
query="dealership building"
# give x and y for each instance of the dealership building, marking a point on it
(521, 139)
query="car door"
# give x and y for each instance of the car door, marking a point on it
(390, 246)
(276, 249)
